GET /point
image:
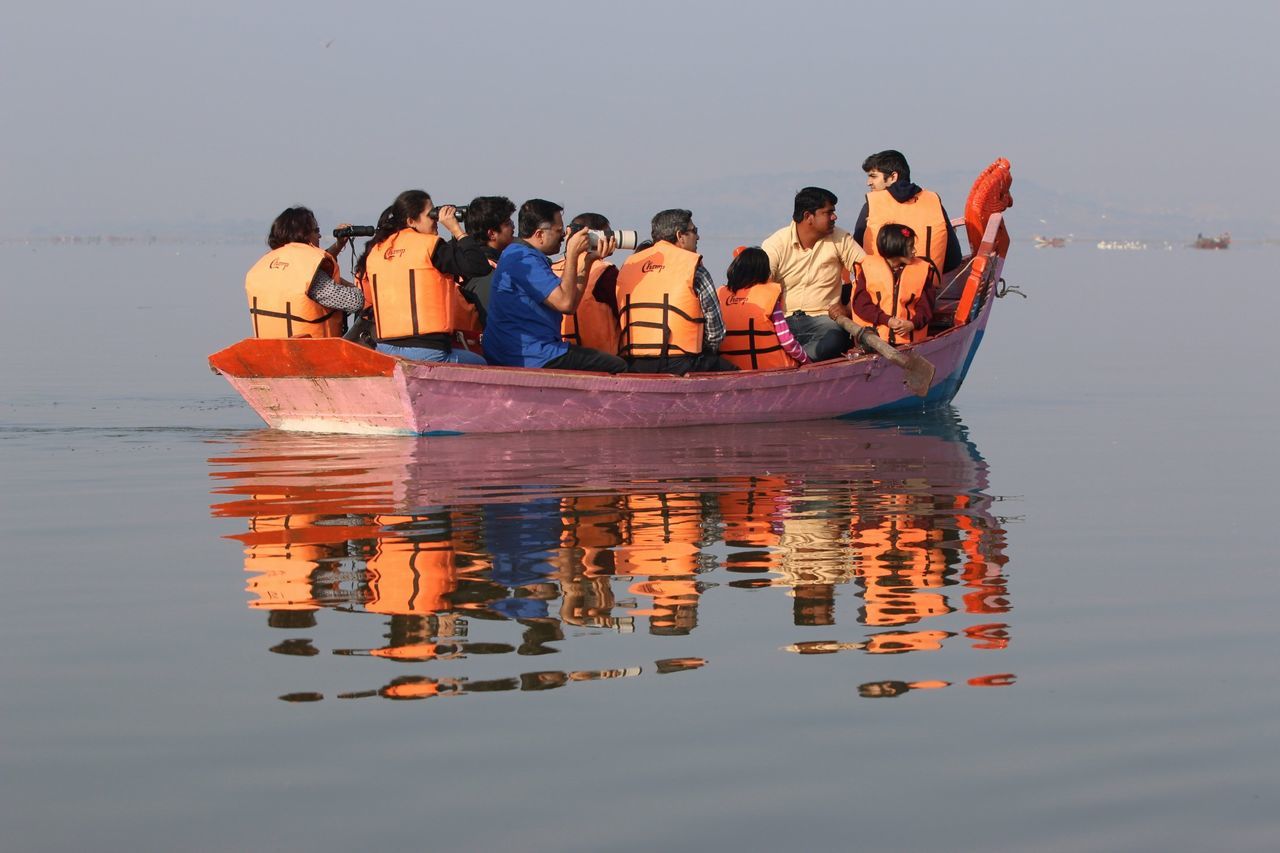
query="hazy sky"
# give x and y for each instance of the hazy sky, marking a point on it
(130, 113)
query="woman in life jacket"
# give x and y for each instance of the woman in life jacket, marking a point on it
(296, 289)
(895, 290)
(756, 335)
(410, 277)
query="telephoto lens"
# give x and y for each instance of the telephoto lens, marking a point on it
(354, 231)
(626, 238)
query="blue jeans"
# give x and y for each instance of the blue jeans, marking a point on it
(457, 356)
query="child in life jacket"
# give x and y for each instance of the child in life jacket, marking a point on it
(895, 290)
(757, 336)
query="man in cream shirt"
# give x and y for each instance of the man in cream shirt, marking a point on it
(808, 258)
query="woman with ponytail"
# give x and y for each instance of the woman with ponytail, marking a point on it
(410, 276)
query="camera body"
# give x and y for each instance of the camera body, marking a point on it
(459, 211)
(354, 231)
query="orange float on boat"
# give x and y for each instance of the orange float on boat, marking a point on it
(989, 195)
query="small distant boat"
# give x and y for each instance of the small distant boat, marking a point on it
(1122, 245)
(1222, 241)
(1043, 242)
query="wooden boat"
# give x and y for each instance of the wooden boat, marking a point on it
(1043, 242)
(1222, 241)
(333, 385)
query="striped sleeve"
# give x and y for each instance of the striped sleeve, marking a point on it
(789, 343)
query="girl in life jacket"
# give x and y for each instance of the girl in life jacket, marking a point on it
(295, 290)
(410, 277)
(895, 290)
(756, 335)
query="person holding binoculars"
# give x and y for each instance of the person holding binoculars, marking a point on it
(410, 277)
(296, 289)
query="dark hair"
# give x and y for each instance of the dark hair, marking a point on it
(594, 221)
(750, 267)
(487, 213)
(534, 212)
(895, 241)
(295, 225)
(811, 199)
(888, 162)
(408, 205)
(667, 223)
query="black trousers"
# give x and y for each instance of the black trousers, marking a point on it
(585, 358)
(707, 362)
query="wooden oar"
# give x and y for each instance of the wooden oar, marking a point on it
(919, 369)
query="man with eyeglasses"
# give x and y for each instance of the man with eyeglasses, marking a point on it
(528, 300)
(667, 303)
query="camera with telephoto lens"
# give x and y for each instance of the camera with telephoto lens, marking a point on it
(626, 238)
(354, 231)
(459, 212)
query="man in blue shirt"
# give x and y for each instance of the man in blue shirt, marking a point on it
(528, 300)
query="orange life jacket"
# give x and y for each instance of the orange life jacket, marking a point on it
(410, 296)
(594, 324)
(659, 311)
(896, 296)
(922, 213)
(277, 288)
(750, 341)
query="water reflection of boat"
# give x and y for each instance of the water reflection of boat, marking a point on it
(1222, 241)
(888, 531)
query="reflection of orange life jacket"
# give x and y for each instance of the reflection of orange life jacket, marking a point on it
(280, 571)
(899, 559)
(410, 296)
(659, 311)
(593, 324)
(896, 296)
(922, 213)
(753, 514)
(750, 341)
(277, 287)
(591, 522)
(662, 552)
(897, 642)
(410, 575)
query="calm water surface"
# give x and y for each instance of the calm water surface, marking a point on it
(1042, 620)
